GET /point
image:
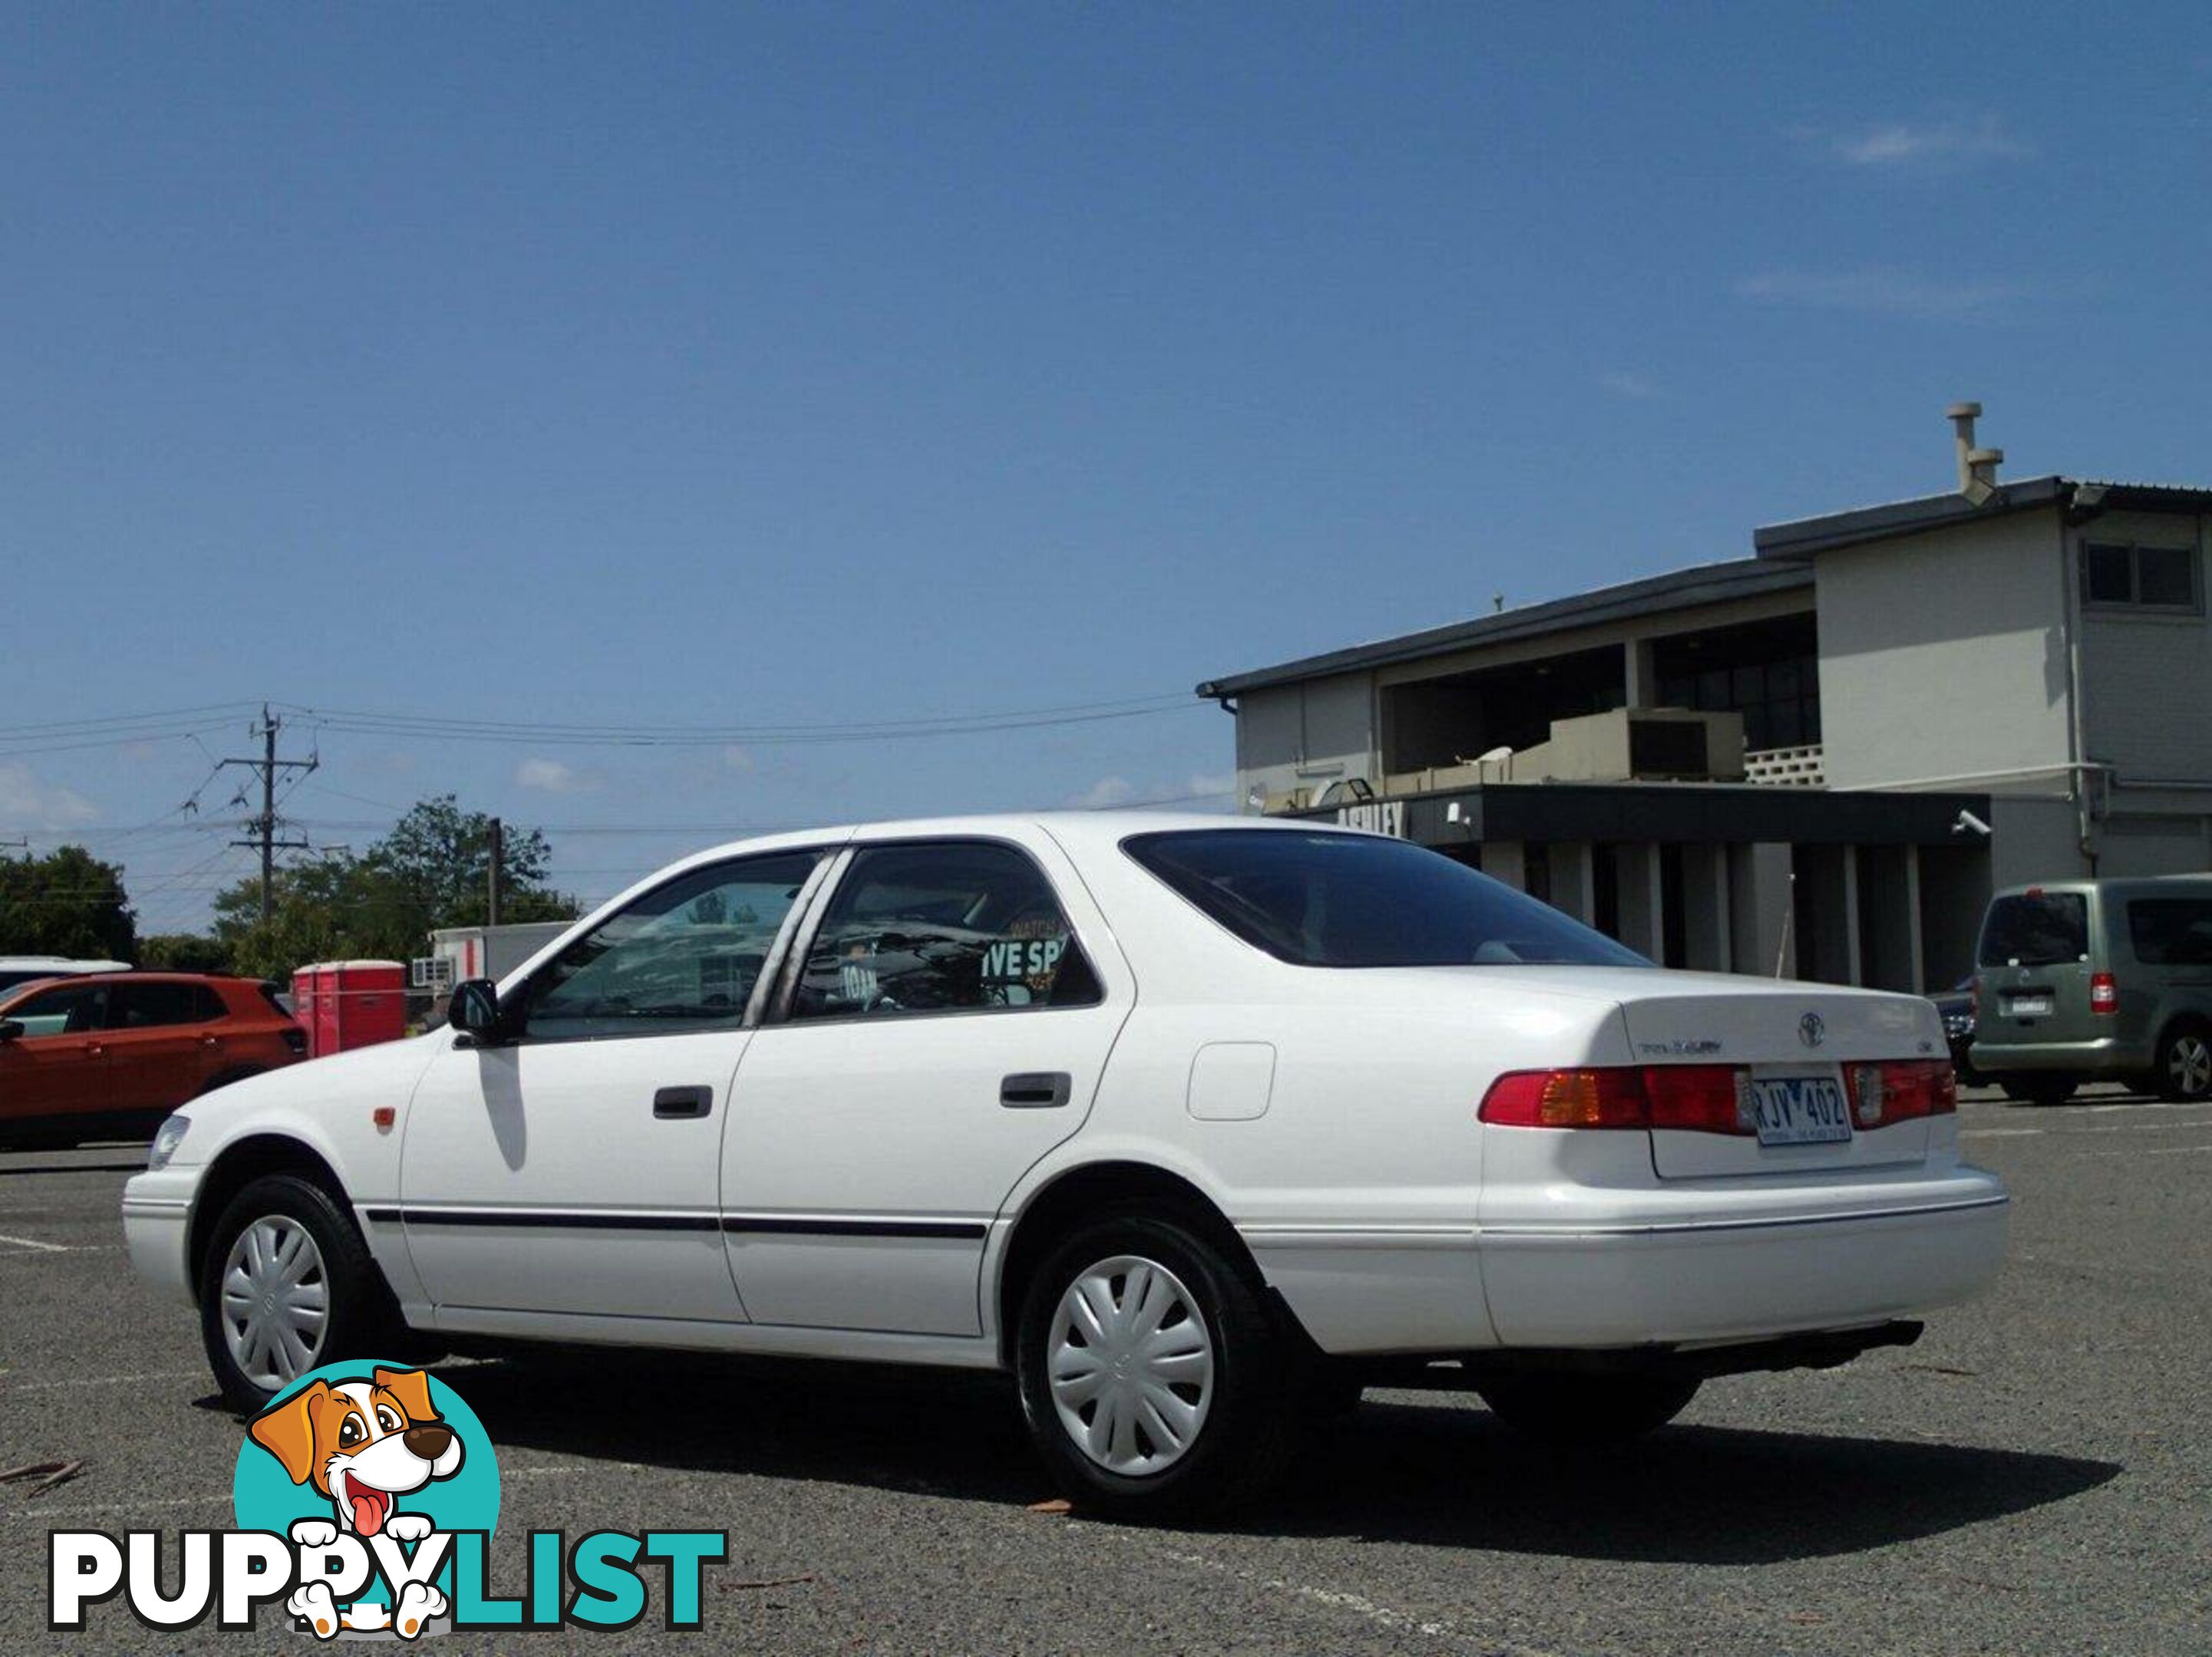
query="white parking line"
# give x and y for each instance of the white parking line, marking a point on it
(1998, 1133)
(33, 1242)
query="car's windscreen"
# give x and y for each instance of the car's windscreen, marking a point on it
(2036, 928)
(1334, 900)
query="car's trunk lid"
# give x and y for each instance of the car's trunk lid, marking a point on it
(1798, 1041)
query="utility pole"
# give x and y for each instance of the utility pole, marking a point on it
(264, 826)
(498, 858)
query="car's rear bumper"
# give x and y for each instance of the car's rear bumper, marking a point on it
(2107, 1056)
(1677, 1264)
(1670, 1283)
(157, 1212)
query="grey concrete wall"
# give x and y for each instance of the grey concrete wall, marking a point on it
(2145, 705)
(2036, 839)
(1306, 735)
(1761, 940)
(1944, 654)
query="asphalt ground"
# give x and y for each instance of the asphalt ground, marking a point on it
(2032, 1477)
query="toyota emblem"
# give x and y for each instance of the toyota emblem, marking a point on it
(1812, 1030)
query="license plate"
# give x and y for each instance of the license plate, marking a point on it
(1801, 1110)
(2028, 1006)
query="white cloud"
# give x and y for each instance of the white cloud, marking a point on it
(1958, 142)
(1105, 793)
(27, 802)
(551, 777)
(1635, 387)
(1198, 790)
(1881, 291)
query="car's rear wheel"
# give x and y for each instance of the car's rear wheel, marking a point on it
(1585, 1409)
(2041, 1089)
(2184, 1068)
(287, 1286)
(1152, 1378)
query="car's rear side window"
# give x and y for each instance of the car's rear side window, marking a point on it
(145, 1007)
(2035, 929)
(943, 926)
(2171, 932)
(1337, 899)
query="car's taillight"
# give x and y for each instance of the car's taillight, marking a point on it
(1694, 1098)
(2103, 993)
(1568, 1098)
(1900, 1091)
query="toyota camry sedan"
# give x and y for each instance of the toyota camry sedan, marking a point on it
(1194, 1125)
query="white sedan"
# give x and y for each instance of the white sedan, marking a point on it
(1194, 1123)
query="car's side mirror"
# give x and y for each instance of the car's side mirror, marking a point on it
(11, 1030)
(474, 1011)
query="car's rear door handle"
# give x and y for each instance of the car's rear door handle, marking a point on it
(683, 1102)
(1036, 1090)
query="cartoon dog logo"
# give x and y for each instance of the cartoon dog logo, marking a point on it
(363, 1444)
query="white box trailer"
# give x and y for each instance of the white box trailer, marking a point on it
(459, 952)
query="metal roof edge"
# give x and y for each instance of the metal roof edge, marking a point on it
(1673, 590)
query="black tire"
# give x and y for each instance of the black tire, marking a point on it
(1586, 1410)
(2041, 1090)
(226, 1077)
(2189, 1082)
(360, 1320)
(1245, 1435)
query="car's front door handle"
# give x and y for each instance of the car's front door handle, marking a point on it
(683, 1102)
(1036, 1090)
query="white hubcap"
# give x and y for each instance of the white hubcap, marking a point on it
(2190, 1065)
(276, 1301)
(1131, 1364)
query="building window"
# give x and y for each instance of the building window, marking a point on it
(1780, 700)
(2119, 577)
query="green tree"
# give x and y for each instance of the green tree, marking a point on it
(68, 902)
(183, 952)
(429, 871)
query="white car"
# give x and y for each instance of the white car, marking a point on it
(1196, 1124)
(17, 970)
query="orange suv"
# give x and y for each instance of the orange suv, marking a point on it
(116, 1053)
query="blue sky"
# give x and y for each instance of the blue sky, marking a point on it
(706, 366)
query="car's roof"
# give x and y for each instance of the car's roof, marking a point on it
(1087, 827)
(1087, 830)
(63, 965)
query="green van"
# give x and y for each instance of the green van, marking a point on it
(2097, 981)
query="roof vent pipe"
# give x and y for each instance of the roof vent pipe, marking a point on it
(1978, 468)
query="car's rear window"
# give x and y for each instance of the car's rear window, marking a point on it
(2171, 932)
(2035, 929)
(1336, 899)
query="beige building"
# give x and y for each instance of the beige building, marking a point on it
(1821, 758)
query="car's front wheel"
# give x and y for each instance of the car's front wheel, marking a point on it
(287, 1285)
(1152, 1378)
(1586, 1409)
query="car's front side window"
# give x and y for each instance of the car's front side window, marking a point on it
(950, 927)
(65, 1010)
(685, 956)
